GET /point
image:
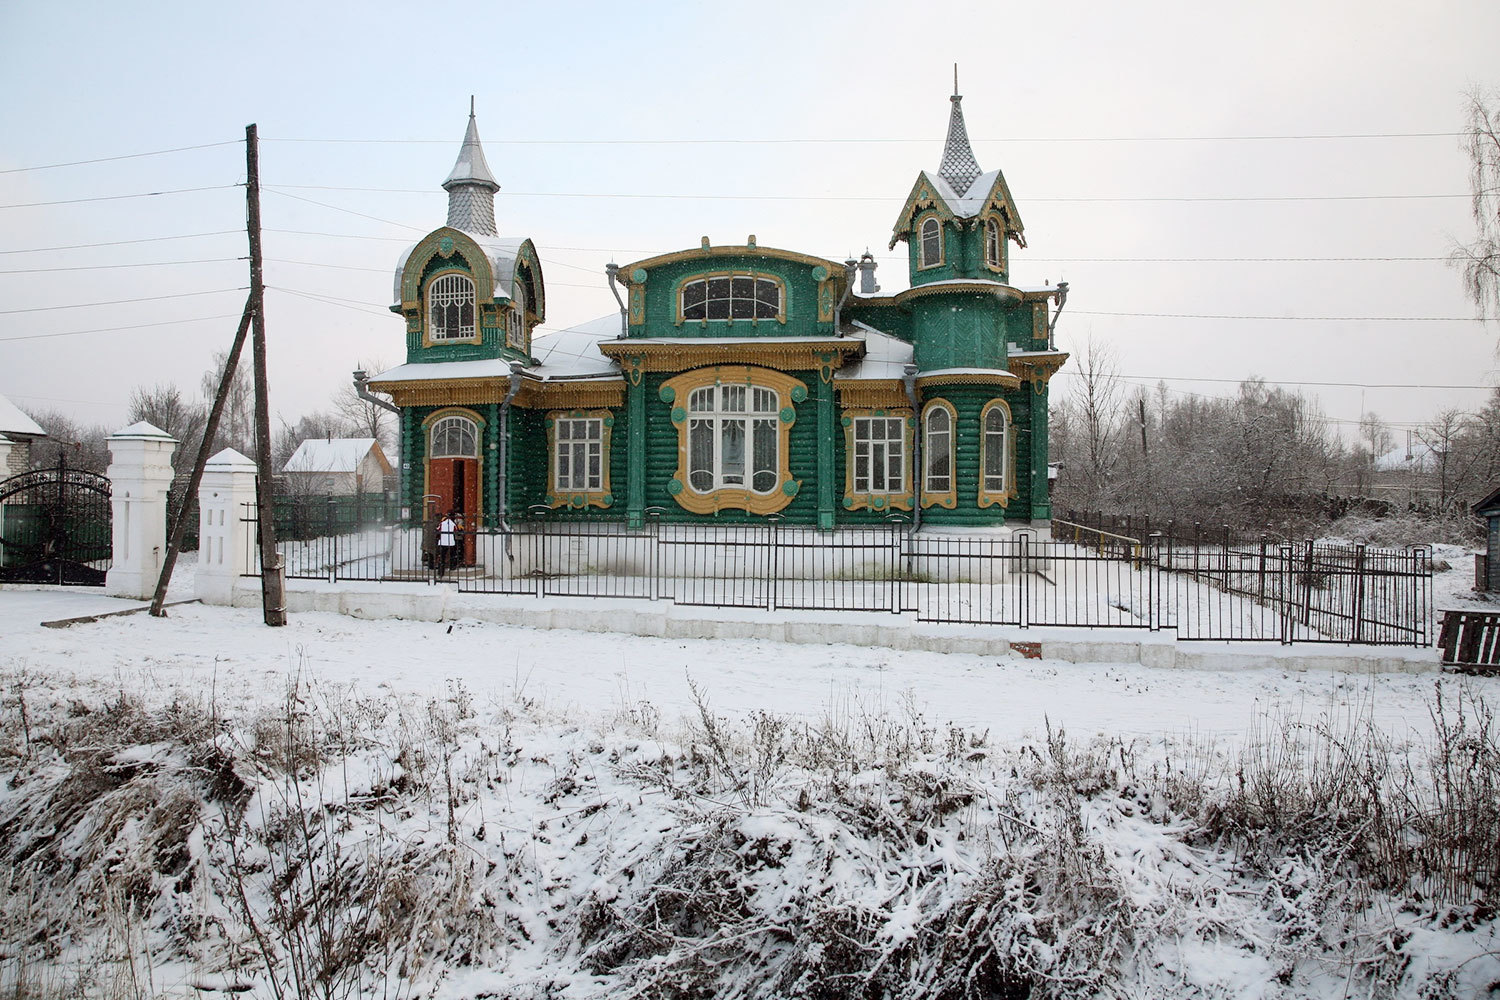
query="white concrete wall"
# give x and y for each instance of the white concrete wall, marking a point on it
(140, 473)
(224, 540)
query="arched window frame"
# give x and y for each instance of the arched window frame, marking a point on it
(992, 493)
(516, 334)
(680, 296)
(994, 244)
(566, 444)
(678, 392)
(924, 260)
(867, 436)
(441, 421)
(469, 334)
(947, 498)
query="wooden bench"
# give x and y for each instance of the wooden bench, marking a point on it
(1470, 641)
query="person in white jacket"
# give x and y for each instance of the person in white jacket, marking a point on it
(447, 544)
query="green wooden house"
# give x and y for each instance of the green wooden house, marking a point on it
(737, 382)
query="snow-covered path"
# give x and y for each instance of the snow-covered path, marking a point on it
(201, 649)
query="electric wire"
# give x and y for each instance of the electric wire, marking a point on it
(112, 329)
(122, 197)
(121, 243)
(120, 302)
(1286, 319)
(108, 267)
(124, 156)
(824, 140)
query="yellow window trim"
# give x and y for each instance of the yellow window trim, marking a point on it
(579, 499)
(989, 498)
(901, 500)
(948, 498)
(942, 241)
(992, 218)
(425, 312)
(683, 282)
(675, 392)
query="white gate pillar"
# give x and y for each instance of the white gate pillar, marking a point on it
(224, 539)
(140, 473)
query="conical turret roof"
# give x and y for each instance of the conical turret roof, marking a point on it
(959, 167)
(471, 187)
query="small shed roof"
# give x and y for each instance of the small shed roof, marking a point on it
(334, 455)
(1490, 505)
(13, 421)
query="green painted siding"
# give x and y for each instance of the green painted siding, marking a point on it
(801, 307)
(968, 401)
(526, 460)
(960, 330)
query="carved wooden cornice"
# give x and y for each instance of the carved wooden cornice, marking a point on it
(579, 393)
(1006, 380)
(1037, 368)
(871, 393)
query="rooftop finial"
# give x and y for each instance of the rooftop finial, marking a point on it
(955, 90)
(959, 167)
(471, 187)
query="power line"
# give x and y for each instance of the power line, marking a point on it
(121, 243)
(350, 211)
(283, 188)
(118, 302)
(1312, 137)
(122, 197)
(107, 267)
(123, 156)
(111, 329)
(1289, 319)
(1267, 381)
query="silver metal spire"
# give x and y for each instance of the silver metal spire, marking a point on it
(959, 168)
(471, 187)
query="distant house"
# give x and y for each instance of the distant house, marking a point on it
(1488, 509)
(338, 467)
(17, 431)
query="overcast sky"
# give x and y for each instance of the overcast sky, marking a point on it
(1134, 138)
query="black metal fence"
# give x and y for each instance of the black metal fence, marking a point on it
(55, 527)
(1083, 577)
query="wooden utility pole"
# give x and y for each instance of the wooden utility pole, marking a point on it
(272, 583)
(210, 430)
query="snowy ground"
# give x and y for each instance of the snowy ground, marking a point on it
(612, 842)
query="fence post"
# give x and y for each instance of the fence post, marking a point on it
(330, 528)
(1307, 581)
(140, 474)
(1262, 572)
(1359, 590)
(773, 559)
(1153, 594)
(226, 538)
(1284, 591)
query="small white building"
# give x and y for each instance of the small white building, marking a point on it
(17, 431)
(337, 467)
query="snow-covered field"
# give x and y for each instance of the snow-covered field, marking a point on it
(466, 809)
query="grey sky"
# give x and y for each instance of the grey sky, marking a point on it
(803, 124)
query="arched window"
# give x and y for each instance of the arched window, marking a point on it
(937, 455)
(515, 320)
(454, 437)
(992, 242)
(450, 308)
(996, 473)
(932, 242)
(733, 426)
(731, 296)
(732, 438)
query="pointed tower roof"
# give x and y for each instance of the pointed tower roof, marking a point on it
(471, 187)
(959, 167)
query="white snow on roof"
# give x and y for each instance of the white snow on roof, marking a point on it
(574, 352)
(1416, 456)
(501, 251)
(969, 203)
(13, 421)
(885, 356)
(329, 455)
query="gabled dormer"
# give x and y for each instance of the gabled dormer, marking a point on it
(958, 222)
(467, 293)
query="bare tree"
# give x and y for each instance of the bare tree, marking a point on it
(1451, 462)
(1479, 261)
(237, 422)
(364, 418)
(164, 407)
(1096, 391)
(84, 447)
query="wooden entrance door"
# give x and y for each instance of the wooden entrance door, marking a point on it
(455, 483)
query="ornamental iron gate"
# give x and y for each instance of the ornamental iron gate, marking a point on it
(55, 527)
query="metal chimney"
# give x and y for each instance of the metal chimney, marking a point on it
(867, 285)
